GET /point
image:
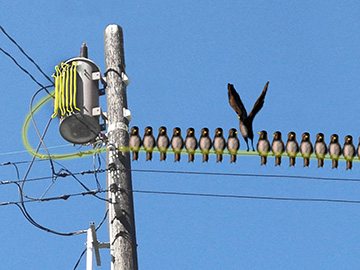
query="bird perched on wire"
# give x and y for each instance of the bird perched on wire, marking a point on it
(205, 144)
(334, 150)
(306, 148)
(149, 142)
(163, 142)
(349, 151)
(177, 143)
(358, 149)
(263, 146)
(292, 148)
(277, 147)
(320, 149)
(233, 144)
(191, 144)
(246, 121)
(135, 142)
(219, 143)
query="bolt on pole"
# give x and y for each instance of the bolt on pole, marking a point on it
(121, 219)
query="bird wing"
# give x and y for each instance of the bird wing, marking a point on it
(235, 102)
(259, 102)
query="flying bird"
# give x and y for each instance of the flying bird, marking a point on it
(191, 144)
(163, 142)
(306, 148)
(320, 149)
(277, 147)
(292, 148)
(219, 144)
(233, 144)
(205, 144)
(149, 142)
(263, 146)
(135, 142)
(349, 151)
(246, 121)
(334, 150)
(177, 143)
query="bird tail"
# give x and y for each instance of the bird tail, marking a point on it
(348, 164)
(177, 157)
(148, 156)
(306, 162)
(219, 158)
(335, 163)
(135, 156)
(292, 161)
(233, 159)
(205, 158)
(162, 156)
(191, 157)
(320, 163)
(263, 160)
(277, 161)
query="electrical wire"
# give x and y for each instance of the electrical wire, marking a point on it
(56, 198)
(27, 56)
(22, 68)
(228, 196)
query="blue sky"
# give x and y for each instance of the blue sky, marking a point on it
(180, 57)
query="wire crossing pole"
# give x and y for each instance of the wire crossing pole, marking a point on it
(121, 220)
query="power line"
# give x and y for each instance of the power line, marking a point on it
(228, 196)
(63, 175)
(27, 56)
(56, 198)
(22, 68)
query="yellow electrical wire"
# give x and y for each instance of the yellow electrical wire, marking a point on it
(75, 75)
(56, 102)
(67, 87)
(71, 87)
(63, 110)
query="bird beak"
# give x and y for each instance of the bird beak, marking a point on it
(259, 133)
(163, 130)
(273, 135)
(219, 132)
(238, 117)
(236, 132)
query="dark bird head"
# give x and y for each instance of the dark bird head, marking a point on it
(320, 137)
(148, 130)
(218, 132)
(334, 138)
(177, 131)
(262, 135)
(204, 132)
(291, 136)
(233, 132)
(305, 137)
(134, 130)
(277, 135)
(190, 132)
(162, 130)
(348, 139)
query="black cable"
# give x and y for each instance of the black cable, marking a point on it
(244, 196)
(56, 198)
(78, 261)
(23, 69)
(27, 56)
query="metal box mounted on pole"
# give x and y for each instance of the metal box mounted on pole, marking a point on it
(77, 98)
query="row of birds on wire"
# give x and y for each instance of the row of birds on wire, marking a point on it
(219, 145)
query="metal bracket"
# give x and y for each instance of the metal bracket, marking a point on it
(96, 76)
(102, 92)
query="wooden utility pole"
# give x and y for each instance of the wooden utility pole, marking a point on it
(121, 220)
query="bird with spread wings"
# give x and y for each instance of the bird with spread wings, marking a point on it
(246, 121)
